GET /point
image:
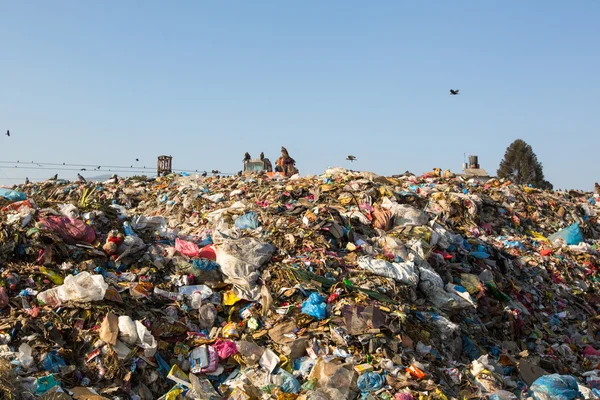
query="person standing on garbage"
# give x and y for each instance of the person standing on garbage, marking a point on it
(285, 163)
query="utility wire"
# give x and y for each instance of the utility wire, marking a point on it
(95, 166)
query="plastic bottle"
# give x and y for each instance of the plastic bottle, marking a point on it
(204, 290)
(53, 276)
(169, 295)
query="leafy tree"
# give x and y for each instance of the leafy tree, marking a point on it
(521, 166)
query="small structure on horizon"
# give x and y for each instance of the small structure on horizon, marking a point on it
(164, 165)
(473, 169)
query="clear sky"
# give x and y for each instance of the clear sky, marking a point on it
(106, 82)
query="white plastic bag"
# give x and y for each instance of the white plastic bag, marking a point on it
(402, 272)
(147, 341)
(83, 287)
(127, 330)
(240, 261)
(24, 355)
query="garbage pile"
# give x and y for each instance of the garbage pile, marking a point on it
(341, 286)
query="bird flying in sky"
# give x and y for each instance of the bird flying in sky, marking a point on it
(454, 92)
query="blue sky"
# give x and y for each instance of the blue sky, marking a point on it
(107, 82)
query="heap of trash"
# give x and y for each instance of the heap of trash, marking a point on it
(346, 285)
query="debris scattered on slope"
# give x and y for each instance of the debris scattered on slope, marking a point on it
(341, 286)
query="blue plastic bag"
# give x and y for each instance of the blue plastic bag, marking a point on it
(469, 348)
(45, 383)
(315, 306)
(12, 195)
(480, 254)
(53, 362)
(571, 235)
(204, 264)
(247, 221)
(290, 384)
(370, 382)
(556, 387)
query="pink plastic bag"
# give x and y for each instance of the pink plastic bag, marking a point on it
(186, 248)
(225, 348)
(590, 351)
(71, 230)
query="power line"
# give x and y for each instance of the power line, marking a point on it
(95, 166)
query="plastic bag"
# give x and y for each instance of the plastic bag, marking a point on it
(12, 195)
(289, 383)
(24, 355)
(333, 378)
(555, 387)
(207, 314)
(204, 264)
(188, 249)
(571, 235)
(141, 222)
(402, 272)
(147, 341)
(225, 348)
(247, 221)
(208, 252)
(315, 306)
(382, 218)
(503, 395)
(404, 214)
(69, 210)
(45, 383)
(69, 229)
(240, 261)
(83, 287)
(53, 362)
(127, 330)
(370, 382)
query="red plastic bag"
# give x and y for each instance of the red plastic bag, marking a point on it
(208, 252)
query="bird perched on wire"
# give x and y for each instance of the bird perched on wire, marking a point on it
(115, 178)
(83, 169)
(351, 158)
(454, 92)
(247, 157)
(262, 156)
(26, 180)
(215, 171)
(55, 177)
(81, 178)
(204, 174)
(7, 133)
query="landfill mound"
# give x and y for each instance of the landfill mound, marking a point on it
(341, 286)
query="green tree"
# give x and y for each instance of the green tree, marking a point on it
(521, 166)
